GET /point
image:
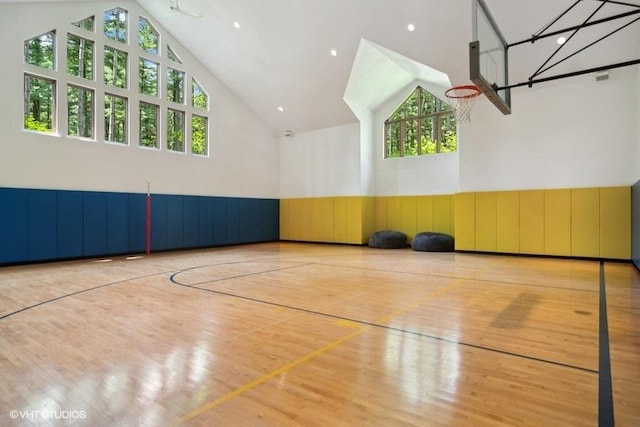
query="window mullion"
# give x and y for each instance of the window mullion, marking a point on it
(403, 136)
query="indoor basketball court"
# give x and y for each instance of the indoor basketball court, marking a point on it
(190, 257)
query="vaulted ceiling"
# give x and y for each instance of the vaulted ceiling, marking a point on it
(280, 56)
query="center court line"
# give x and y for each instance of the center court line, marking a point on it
(260, 380)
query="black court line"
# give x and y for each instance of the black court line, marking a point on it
(222, 279)
(81, 292)
(471, 279)
(605, 389)
(377, 325)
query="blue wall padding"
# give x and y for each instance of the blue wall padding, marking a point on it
(117, 223)
(44, 225)
(94, 213)
(70, 215)
(220, 221)
(205, 220)
(175, 221)
(191, 221)
(635, 224)
(14, 206)
(42, 236)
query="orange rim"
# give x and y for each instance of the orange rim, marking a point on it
(473, 92)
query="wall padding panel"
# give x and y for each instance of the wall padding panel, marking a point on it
(465, 225)
(14, 225)
(615, 222)
(508, 221)
(585, 222)
(557, 222)
(486, 221)
(635, 224)
(532, 222)
(45, 225)
(443, 214)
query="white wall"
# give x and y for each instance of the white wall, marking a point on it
(243, 157)
(573, 133)
(321, 163)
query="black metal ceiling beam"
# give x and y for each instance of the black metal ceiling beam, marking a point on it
(586, 21)
(575, 27)
(621, 3)
(531, 82)
(586, 47)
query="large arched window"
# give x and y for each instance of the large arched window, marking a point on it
(422, 124)
(98, 61)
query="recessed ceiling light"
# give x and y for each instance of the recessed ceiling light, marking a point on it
(280, 109)
(236, 24)
(333, 52)
(561, 40)
(411, 27)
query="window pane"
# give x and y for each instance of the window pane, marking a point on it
(448, 134)
(392, 140)
(115, 119)
(430, 104)
(147, 36)
(148, 77)
(39, 104)
(115, 24)
(80, 111)
(198, 97)
(40, 50)
(115, 67)
(199, 135)
(79, 57)
(86, 24)
(148, 125)
(411, 138)
(428, 142)
(409, 108)
(175, 85)
(175, 130)
(172, 55)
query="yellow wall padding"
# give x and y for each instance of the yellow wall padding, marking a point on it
(579, 222)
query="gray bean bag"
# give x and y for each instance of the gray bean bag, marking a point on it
(388, 239)
(432, 242)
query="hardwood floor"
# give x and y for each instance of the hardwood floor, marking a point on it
(285, 334)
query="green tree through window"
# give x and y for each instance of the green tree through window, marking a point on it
(39, 51)
(198, 135)
(79, 57)
(115, 24)
(422, 124)
(147, 36)
(80, 111)
(173, 117)
(39, 104)
(148, 125)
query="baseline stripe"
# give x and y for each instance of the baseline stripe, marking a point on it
(605, 389)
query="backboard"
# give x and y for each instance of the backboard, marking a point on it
(488, 60)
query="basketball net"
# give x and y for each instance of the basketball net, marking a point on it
(461, 99)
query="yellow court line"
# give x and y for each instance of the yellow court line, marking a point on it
(266, 377)
(208, 406)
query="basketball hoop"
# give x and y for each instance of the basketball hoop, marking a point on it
(461, 99)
